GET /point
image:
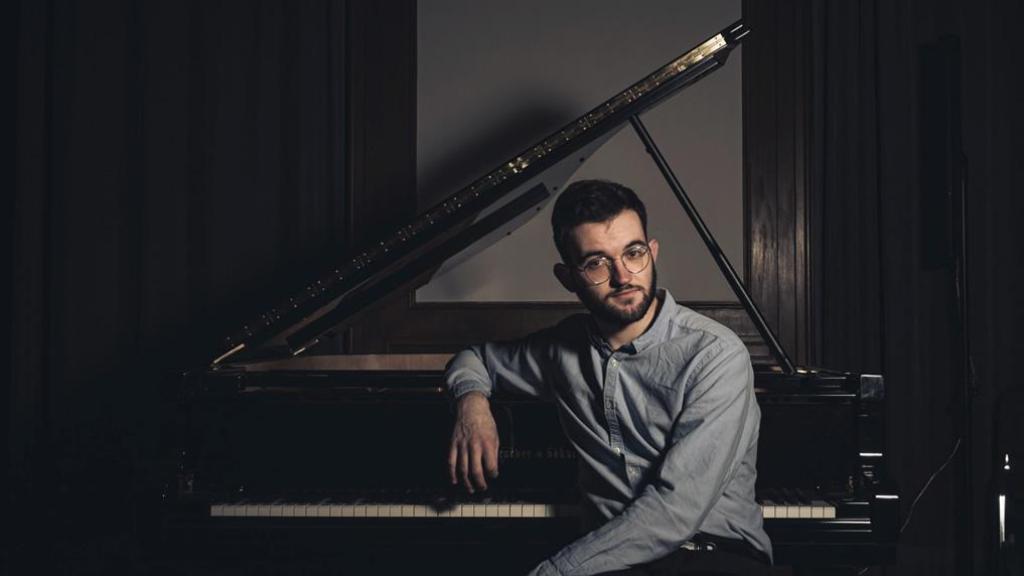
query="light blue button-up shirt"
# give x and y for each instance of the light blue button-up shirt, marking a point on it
(666, 429)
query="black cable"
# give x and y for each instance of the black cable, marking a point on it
(920, 493)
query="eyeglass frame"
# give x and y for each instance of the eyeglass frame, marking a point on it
(609, 263)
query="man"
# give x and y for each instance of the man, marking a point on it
(657, 400)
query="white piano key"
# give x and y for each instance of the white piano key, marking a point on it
(818, 508)
(792, 510)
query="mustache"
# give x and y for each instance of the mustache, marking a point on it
(625, 288)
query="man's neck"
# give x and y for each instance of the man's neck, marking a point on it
(618, 335)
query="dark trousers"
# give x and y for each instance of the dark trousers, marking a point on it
(716, 557)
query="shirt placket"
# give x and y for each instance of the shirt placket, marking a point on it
(611, 414)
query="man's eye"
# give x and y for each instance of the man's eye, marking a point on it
(635, 253)
(591, 265)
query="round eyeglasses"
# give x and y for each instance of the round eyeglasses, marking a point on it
(599, 269)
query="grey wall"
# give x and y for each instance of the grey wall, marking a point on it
(495, 77)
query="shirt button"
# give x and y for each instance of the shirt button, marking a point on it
(618, 451)
(614, 362)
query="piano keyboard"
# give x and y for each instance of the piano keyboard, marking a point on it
(770, 509)
(385, 510)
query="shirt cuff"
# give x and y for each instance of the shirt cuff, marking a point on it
(546, 568)
(459, 389)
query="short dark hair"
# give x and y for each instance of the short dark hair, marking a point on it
(587, 201)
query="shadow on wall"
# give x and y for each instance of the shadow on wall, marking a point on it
(509, 134)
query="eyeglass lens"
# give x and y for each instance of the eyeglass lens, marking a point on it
(634, 260)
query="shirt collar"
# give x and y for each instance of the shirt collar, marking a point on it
(655, 333)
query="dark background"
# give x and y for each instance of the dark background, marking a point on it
(180, 164)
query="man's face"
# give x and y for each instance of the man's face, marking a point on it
(625, 297)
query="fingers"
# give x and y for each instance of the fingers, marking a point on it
(476, 467)
(453, 462)
(491, 459)
(471, 463)
(473, 453)
(463, 470)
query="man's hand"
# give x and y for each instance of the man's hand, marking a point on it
(474, 448)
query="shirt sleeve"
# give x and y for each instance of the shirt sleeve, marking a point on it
(718, 422)
(515, 367)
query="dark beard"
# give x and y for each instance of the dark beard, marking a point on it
(611, 315)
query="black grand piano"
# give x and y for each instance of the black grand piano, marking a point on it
(292, 461)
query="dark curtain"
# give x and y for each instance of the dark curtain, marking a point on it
(887, 110)
(850, 116)
(177, 164)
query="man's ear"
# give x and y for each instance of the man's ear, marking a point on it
(653, 243)
(564, 275)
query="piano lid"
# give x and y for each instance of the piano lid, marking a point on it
(468, 220)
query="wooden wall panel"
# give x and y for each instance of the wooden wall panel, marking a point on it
(381, 161)
(776, 73)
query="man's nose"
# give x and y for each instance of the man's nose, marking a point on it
(619, 273)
